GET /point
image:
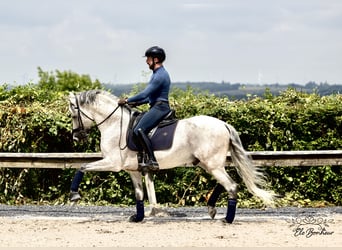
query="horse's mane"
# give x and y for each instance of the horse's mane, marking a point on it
(89, 96)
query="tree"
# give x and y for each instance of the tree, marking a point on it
(66, 81)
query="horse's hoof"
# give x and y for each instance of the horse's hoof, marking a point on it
(74, 196)
(134, 218)
(225, 221)
(212, 211)
(158, 212)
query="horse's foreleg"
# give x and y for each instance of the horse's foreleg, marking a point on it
(74, 195)
(151, 193)
(101, 165)
(139, 196)
(154, 209)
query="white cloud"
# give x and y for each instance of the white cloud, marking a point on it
(206, 40)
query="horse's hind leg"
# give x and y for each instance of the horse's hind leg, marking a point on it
(213, 198)
(227, 183)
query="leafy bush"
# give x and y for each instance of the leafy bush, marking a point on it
(34, 118)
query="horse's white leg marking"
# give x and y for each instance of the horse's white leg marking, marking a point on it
(137, 184)
(150, 189)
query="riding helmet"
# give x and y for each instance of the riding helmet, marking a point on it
(156, 52)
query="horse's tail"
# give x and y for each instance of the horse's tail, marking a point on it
(253, 177)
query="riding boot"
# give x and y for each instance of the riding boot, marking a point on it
(145, 142)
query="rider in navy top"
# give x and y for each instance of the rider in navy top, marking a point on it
(156, 94)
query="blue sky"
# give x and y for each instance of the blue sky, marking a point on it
(246, 41)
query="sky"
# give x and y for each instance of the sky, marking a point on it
(236, 41)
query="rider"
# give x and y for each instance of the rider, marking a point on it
(156, 94)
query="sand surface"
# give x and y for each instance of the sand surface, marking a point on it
(163, 231)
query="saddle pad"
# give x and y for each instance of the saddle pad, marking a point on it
(161, 139)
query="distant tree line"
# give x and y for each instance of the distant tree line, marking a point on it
(240, 91)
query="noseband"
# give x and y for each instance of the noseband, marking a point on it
(83, 133)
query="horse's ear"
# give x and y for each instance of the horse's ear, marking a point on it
(71, 98)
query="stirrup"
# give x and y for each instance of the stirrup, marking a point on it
(145, 164)
(150, 165)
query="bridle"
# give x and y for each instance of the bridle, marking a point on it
(80, 130)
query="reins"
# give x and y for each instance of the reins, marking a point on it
(97, 124)
(81, 126)
(121, 125)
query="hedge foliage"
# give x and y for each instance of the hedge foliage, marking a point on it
(35, 118)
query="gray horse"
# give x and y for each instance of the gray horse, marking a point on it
(198, 141)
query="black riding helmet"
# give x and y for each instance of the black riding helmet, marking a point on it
(156, 52)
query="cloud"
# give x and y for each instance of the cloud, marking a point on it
(209, 40)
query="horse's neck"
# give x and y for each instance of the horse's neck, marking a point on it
(114, 125)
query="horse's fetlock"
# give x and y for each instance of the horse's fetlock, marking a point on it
(74, 196)
(232, 192)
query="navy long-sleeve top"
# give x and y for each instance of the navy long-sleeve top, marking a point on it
(157, 89)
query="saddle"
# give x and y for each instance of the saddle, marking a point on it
(161, 136)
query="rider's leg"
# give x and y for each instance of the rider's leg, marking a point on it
(150, 120)
(145, 142)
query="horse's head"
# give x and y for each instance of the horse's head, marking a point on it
(81, 119)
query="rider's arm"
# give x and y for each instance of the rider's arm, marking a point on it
(152, 88)
(144, 95)
(146, 100)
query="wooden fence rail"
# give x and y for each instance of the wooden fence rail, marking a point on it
(260, 158)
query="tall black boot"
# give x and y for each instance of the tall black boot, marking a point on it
(145, 142)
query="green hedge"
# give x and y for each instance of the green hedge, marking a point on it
(34, 118)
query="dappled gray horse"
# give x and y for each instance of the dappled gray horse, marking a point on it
(198, 141)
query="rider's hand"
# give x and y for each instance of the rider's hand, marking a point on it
(133, 104)
(122, 101)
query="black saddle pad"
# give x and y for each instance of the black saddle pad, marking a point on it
(161, 136)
